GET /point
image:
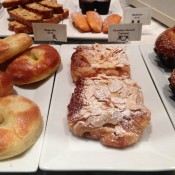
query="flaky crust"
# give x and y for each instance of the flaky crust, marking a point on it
(109, 109)
(6, 84)
(21, 125)
(88, 61)
(14, 45)
(34, 65)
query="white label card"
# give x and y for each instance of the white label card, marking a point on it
(50, 32)
(124, 32)
(137, 15)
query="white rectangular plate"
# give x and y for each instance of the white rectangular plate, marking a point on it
(73, 6)
(63, 151)
(72, 32)
(160, 75)
(40, 93)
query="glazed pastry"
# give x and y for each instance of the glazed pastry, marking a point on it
(111, 19)
(108, 109)
(80, 22)
(165, 47)
(13, 45)
(21, 125)
(35, 64)
(95, 21)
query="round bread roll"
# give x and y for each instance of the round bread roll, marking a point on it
(6, 84)
(35, 64)
(165, 47)
(20, 125)
(14, 45)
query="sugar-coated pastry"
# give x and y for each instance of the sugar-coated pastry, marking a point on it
(88, 61)
(165, 47)
(111, 19)
(80, 22)
(35, 64)
(95, 21)
(20, 125)
(109, 109)
(14, 45)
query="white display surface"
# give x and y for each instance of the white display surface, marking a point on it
(40, 93)
(160, 75)
(63, 152)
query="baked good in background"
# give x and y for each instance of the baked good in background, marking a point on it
(80, 22)
(23, 13)
(89, 61)
(111, 19)
(95, 21)
(35, 64)
(6, 84)
(172, 81)
(165, 47)
(109, 109)
(14, 3)
(20, 125)
(100, 6)
(13, 45)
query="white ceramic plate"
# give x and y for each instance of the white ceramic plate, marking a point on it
(160, 75)
(63, 151)
(40, 93)
(73, 6)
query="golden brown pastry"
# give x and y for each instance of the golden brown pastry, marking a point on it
(14, 45)
(95, 21)
(20, 125)
(111, 19)
(35, 64)
(108, 109)
(80, 22)
(19, 28)
(164, 47)
(88, 61)
(6, 84)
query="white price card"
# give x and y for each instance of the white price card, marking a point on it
(124, 32)
(137, 15)
(49, 32)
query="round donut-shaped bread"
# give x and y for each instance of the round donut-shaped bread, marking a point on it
(14, 45)
(165, 47)
(35, 64)
(6, 84)
(20, 125)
